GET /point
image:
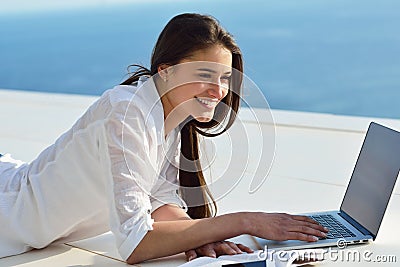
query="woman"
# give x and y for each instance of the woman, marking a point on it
(118, 166)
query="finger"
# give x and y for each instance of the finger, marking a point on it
(191, 255)
(234, 247)
(301, 236)
(303, 218)
(308, 229)
(207, 250)
(244, 248)
(318, 227)
(222, 248)
(309, 220)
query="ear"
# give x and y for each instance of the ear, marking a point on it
(163, 70)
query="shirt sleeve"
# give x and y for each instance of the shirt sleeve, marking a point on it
(133, 174)
(167, 188)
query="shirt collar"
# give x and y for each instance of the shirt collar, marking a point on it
(148, 90)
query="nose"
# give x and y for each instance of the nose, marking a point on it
(217, 90)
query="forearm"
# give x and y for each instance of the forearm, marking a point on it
(172, 237)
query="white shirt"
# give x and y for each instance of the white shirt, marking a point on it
(109, 171)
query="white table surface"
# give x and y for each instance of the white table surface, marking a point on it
(313, 161)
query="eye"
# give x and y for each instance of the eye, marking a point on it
(226, 79)
(205, 75)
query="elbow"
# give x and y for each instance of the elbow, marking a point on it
(131, 261)
(138, 255)
(141, 252)
(135, 258)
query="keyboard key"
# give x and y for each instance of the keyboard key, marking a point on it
(336, 229)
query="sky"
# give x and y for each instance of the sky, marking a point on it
(29, 6)
(315, 56)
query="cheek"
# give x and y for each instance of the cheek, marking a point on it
(225, 92)
(190, 91)
(198, 88)
(181, 95)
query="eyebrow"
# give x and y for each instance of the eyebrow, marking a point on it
(212, 71)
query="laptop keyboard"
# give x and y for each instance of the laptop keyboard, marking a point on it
(336, 229)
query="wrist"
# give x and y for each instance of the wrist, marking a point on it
(245, 223)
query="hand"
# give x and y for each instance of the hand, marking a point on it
(216, 249)
(282, 226)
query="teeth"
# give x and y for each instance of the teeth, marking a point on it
(207, 102)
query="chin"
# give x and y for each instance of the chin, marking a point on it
(203, 119)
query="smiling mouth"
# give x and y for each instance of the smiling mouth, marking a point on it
(207, 103)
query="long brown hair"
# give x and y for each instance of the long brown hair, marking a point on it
(183, 35)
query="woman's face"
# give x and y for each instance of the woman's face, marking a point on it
(197, 84)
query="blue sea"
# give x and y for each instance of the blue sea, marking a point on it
(332, 56)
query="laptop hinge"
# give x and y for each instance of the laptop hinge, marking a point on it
(353, 222)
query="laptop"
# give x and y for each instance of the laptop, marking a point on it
(366, 198)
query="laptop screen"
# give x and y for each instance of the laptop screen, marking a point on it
(373, 178)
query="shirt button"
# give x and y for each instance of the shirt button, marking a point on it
(148, 211)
